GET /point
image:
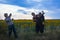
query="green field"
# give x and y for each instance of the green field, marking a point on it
(26, 30)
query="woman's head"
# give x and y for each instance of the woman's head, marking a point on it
(40, 13)
(33, 14)
(6, 15)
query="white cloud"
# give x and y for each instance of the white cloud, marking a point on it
(47, 17)
(5, 8)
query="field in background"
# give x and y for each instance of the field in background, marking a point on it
(26, 28)
(25, 24)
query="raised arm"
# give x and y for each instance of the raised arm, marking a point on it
(10, 15)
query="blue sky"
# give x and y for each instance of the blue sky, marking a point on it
(51, 6)
(29, 3)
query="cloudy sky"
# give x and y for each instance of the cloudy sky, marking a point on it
(21, 9)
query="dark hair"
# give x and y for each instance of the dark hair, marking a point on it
(33, 13)
(39, 12)
(5, 14)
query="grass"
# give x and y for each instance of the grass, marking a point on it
(26, 30)
(33, 36)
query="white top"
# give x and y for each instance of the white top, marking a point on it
(8, 21)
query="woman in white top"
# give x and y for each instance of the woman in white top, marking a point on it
(10, 24)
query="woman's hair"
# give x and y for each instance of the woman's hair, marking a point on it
(5, 14)
(33, 13)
